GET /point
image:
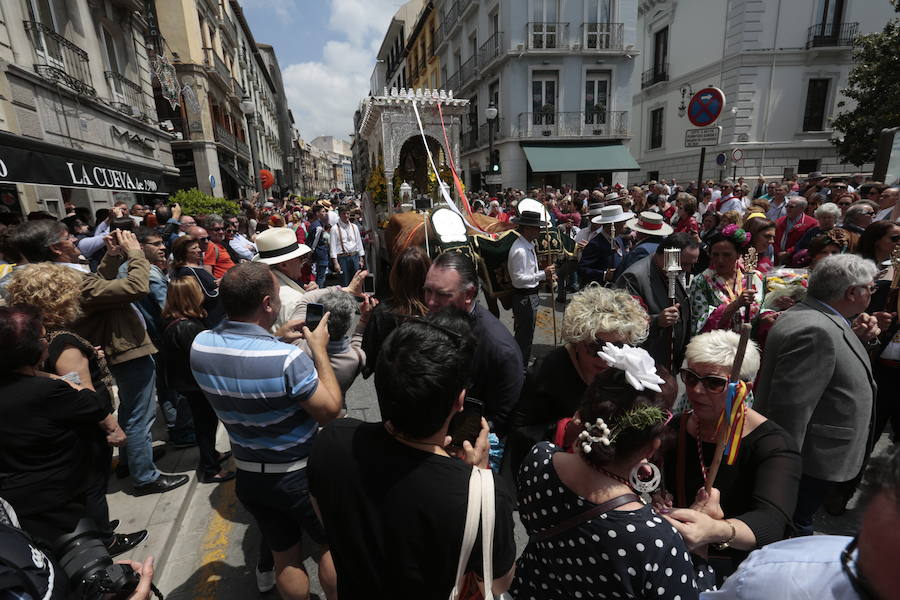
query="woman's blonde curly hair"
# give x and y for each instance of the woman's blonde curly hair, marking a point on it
(55, 290)
(596, 310)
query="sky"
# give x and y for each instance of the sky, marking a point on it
(326, 49)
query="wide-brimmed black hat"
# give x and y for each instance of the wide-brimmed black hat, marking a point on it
(529, 218)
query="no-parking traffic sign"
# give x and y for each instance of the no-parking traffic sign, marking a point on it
(706, 106)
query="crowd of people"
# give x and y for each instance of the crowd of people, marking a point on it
(606, 458)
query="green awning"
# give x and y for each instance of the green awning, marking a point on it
(554, 158)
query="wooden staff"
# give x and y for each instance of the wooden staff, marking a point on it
(722, 433)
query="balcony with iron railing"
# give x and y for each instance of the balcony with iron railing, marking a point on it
(543, 35)
(236, 87)
(582, 124)
(242, 147)
(125, 95)
(223, 136)
(451, 16)
(490, 50)
(657, 74)
(830, 35)
(499, 129)
(59, 59)
(452, 82)
(467, 70)
(465, 5)
(602, 36)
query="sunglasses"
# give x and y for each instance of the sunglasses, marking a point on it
(218, 229)
(860, 584)
(713, 383)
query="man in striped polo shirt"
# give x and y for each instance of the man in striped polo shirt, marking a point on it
(271, 397)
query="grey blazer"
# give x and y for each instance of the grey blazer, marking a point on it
(643, 279)
(816, 382)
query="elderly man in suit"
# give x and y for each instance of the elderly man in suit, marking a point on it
(647, 280)
(816, 379)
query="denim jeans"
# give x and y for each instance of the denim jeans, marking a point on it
(321, 272)
(136, 379)
(349, 267)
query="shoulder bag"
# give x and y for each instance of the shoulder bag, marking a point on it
(480, 508)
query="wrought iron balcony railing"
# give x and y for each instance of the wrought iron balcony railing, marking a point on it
(657, 74)
(59, 59)
(602, 36)
(452, 82)
(467, 70)
(831, 34)
(491, 49)
(543, 35)
(605, 124)
(125, 95)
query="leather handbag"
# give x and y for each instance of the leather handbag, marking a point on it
(480, 509)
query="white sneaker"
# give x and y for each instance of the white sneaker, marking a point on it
(265, 580)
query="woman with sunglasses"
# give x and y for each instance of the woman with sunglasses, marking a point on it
(753, 499)
(591, 536)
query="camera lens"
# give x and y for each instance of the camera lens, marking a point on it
(90, 568)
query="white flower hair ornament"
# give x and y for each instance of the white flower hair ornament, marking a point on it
(586, 437)
(640, 370)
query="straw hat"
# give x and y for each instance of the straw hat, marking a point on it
(278, 245)
(650, 223)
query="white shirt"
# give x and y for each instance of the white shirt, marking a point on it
(586, 235)
(732, 204)
(345, 239)
(523, 265)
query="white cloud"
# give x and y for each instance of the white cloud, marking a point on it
(323, 94)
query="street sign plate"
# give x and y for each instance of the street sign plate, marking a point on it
(737, 155)
(705, 136)
(706, 106)
(721, 159)
(493, 179)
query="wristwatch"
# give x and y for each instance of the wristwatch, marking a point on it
(727, 543)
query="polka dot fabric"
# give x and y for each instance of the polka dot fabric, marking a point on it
(620, 554)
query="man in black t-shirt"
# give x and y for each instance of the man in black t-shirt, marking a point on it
(392, 500)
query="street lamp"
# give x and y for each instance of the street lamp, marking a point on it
(290, 161)
(249, 110)
(491, 113)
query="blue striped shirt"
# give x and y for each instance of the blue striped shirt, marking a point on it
(255, 383)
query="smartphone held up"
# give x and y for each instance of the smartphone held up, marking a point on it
(466, 425)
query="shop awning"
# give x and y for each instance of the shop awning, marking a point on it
(555, 158)
(26, 160)
(240, 178)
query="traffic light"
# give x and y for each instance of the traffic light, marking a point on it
(495, 162)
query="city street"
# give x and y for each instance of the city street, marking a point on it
(206, 545)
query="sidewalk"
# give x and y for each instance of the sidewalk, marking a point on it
(160, 514)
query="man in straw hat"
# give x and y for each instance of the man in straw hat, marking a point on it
(603, 254)
(649, 228)
(526, 278)
(279, 249)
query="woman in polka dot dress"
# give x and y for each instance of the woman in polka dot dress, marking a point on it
(626, 552)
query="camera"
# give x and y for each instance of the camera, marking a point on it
(89, 567)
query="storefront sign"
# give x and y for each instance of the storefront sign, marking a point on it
(28, 161)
